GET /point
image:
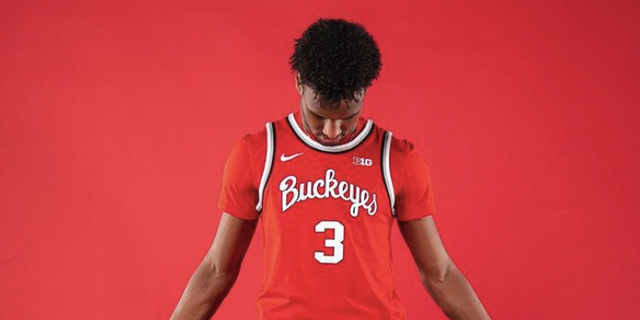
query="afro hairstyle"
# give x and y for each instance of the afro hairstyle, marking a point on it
(336, 58)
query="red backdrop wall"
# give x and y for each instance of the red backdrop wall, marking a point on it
(116, 118)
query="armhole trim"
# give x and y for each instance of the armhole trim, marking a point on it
(386, 171)
(268, 164)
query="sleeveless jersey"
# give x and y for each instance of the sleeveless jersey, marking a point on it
(327, 213)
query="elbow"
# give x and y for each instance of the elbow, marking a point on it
(220, 272)
(437, 274)
(435, 280)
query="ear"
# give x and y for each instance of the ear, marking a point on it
(362, 94)
(298, 84)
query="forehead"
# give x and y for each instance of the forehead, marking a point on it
(318, 105)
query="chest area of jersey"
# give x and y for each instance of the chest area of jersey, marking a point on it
(346, 183)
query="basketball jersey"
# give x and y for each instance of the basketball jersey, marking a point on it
(327, 213)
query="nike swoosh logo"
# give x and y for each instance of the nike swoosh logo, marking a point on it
(284, 158)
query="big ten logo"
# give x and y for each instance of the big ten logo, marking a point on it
(362, 162)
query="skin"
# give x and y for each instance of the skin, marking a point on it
(330, 124)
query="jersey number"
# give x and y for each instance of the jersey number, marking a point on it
(335, 243)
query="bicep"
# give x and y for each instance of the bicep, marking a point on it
(413, 187)
(426, 247)
(239, 192)
(231, 243)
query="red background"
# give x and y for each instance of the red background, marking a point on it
(116, 118)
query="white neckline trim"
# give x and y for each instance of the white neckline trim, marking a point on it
(339, 148)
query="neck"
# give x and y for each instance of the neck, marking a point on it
(346, 139)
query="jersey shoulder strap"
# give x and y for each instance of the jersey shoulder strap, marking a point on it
(268, 163)
(386, 169)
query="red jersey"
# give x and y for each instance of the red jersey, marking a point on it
(327, 213)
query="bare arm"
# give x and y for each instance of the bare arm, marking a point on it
(219, 270)
(440, 276)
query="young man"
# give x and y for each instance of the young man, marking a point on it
(328, 186)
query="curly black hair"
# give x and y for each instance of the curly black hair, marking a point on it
(336, 58)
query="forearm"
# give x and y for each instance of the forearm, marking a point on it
(204, 293)
(455, 296)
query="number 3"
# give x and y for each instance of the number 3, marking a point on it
(335, 243)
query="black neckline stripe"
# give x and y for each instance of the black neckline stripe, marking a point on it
(362, 136)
